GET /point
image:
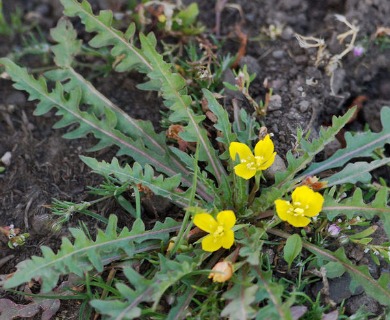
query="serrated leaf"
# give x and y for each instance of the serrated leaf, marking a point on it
(312, 148)
(114, 309)
(68, 45)
(103, 128)
(252, 245)
(355, 172)
(76, 258)
(174, 92)
(223, 123)
(106, 35)
(358, 145)
(240, 298)
(244, 125)
(270, 293)
(146, 290)
(11, 310)
(166, 187)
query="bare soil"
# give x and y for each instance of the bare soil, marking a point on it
(46, 166)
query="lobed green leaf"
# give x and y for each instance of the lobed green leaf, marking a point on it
(166, 187)
(85, 254)
(358, 145)
(355, 172)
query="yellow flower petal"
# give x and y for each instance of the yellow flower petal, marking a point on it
(227, 239)
(315, 205)
(242, 150)
(298, 221)
(243, 171)
(211, 244)
(264, 148)
(206, 222)
(309, 200)
(281, 209)
(302, 194)
(268, 163)
(227, 219)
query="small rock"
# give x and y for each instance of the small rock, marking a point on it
(156, 205)
(15, 98)
(6, 159)
(278, 54)
(338, 80)
(275, 102)
(371, 112)
(301, 59)
(356, 253)
(369, 304)
(287, 33)
(384, 89)
(338, 288)
(278, 83)
(251, 63)
(43, 9)
(277, 166)
(42, 223)
(304, 106)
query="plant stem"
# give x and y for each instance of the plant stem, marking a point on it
(255, 188)
(185, 227)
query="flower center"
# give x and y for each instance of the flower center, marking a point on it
(259, 160)
(218, 233)
(250, 164)
(297, 209)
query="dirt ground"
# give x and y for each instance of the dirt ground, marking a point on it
(46, 166)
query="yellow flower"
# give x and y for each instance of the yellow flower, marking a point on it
(162, 18)
(223, 271)
(251, 163)
(305, 204)
(220, 230)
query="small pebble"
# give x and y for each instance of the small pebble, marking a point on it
(277, 166)
(304, 106)
(278, 54)
(6, 159)
(275, 102)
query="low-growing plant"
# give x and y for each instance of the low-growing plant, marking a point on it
(14, 25)
(223, 267)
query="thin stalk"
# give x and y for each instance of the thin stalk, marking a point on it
(185, 226)
(137, 203)
(255, 188)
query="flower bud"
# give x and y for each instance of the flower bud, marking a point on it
(358, 51)
(223, 271)
(334, 230)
